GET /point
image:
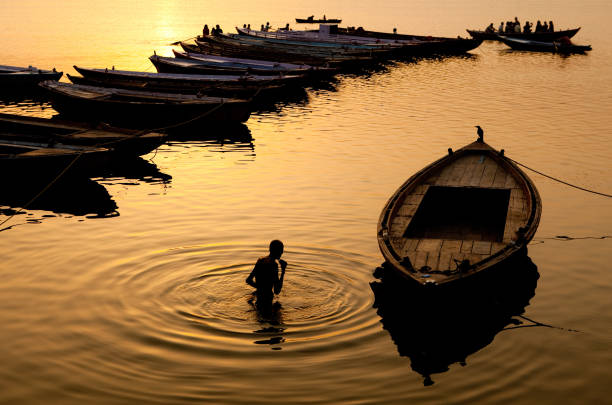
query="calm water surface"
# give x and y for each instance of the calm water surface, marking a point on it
(130, 287)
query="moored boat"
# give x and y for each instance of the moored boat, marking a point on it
(56, 131)
(312, 20)
(143, 109)
(534, 36)
(459, 216)
(13, 77)
(42, 160)
(222, 85)
(560, 46)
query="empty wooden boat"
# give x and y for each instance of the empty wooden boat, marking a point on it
(42, 160)
(564, 45)
(143, 109)
(461, 215)
(14, 77)
(221, 85)
(52, 130)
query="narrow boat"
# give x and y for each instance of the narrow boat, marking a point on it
(534, 36)
(560, 46)
(121, 141)
(256, 66)
(222, 85)
(417, 45)
(143, 109)
(42, 160)
(13, 77)
(194, 66)
(312, 20)
(458, 217)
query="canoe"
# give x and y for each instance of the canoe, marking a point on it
(538, 46)
(222, 85)
(44, 160)
(35, 129)
(311, 20)
(534, 36)
(256, 66)
(143, 109)
(459, 216)
(13, 77)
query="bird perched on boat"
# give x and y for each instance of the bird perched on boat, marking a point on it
(480, 133)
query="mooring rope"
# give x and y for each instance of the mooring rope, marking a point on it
(559, 180)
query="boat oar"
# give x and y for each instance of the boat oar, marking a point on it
(178, 42)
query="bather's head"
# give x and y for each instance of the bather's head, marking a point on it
(276, 249)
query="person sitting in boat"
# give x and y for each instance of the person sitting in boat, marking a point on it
(218, 30)
(268, 26)
(545, 27)
(249, 27)
(262, 28)
(509, 27)
(527, 27)
(205, 31)
(517, 28)
(213, 32)
(264, 276)
(538, 27)
(501, 27)
(551, 27)
(490, 29)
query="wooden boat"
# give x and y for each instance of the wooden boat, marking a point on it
(44, 160)
(288, 51)
(14, 77)
(561, 46)
(121, 141)
(256, 66)
(188, 66)
(143, 109)
(417, 45)
(458, 217)
(222, 85)
(534, 36)
(311, 20)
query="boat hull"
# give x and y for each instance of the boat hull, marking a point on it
(534, 36)
(459, 217)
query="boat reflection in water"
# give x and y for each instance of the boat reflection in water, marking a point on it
(436, 328)
(74, 195)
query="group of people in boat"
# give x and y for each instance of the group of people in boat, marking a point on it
(515, 27)
(215, 31)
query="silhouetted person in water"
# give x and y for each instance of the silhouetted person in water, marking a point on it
(264, 276)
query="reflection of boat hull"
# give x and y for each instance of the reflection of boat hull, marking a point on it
(437, 329)
(73, 195)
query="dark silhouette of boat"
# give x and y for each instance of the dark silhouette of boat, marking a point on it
(436, 329)
(18, 78)
(561, 46)
(143, 109)
(35, 129)
(312, 20)
(533, 36)
(458, 217)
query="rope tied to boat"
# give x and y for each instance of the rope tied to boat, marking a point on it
(559, 180)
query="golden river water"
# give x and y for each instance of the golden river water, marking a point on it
(147, 302)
